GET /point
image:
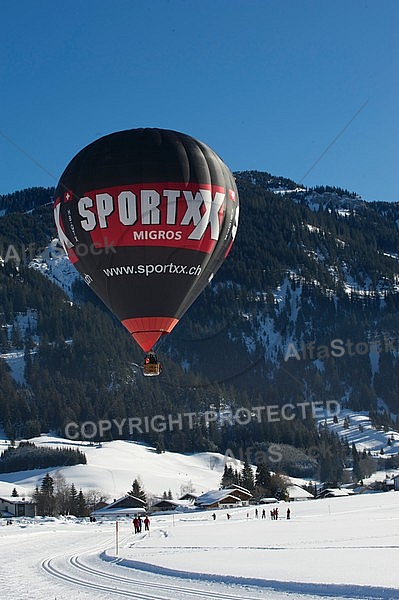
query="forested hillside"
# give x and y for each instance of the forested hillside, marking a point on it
(309, 267)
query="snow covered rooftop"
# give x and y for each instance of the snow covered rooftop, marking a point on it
(295, 492)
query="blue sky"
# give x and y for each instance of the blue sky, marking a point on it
(268, 85)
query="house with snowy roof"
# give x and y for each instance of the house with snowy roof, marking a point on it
(165, 504)
(227, 498)
(11, 506)
(189, 496)
(268, 500)
(127, 506)
(296, 492)
(240, 491)
(334, 493)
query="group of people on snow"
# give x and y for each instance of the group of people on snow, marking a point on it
(273, 514)
(138, 524)
(138, 521)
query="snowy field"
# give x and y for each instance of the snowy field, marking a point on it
(344, 547)
(339, 548)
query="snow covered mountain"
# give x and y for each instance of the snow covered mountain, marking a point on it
(304, 310)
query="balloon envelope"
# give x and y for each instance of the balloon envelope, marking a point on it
(147, 216)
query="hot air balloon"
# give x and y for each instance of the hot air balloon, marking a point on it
(147, 216)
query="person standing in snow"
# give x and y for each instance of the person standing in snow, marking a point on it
(146, 523)
(288, 513)
(136, 525)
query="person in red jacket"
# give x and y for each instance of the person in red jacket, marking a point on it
(136, 525)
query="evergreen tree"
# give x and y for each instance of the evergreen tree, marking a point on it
(247, 477)
(159, 446)
(14, 493)
(73, 500)
(262, 481)
(81, 505)
(137, 491)
(230, 477)
(278, 486)
(46, 499)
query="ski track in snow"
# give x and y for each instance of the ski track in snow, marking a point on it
(88, 571)
(141, 581)
(87, 568)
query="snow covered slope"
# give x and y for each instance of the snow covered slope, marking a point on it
(112, 466)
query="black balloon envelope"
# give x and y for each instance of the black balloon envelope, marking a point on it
(147, 216)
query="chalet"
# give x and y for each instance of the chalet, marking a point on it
(189, 496)
(228, 498)
(334, 493)
(296, 493)
(171, 505)
(127, 506)
(11, 506)
(242, 493)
